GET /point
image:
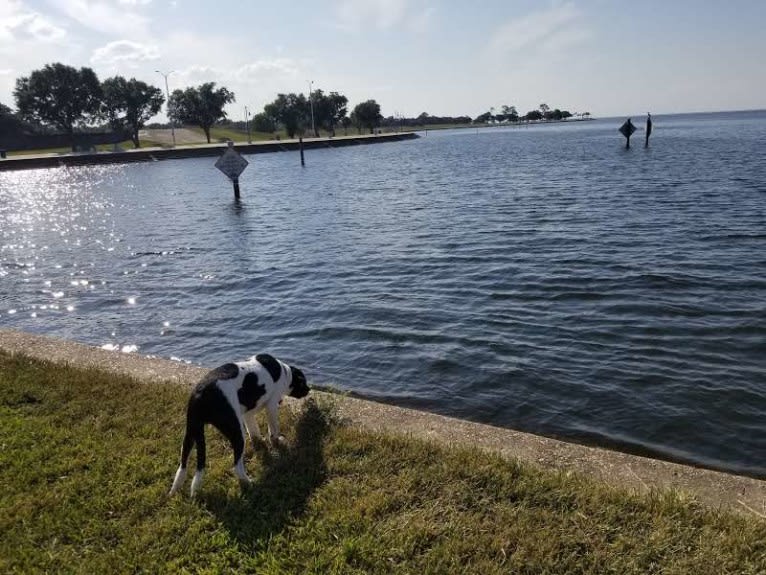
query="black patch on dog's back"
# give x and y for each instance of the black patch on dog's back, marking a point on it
(271, 365)
(251, 391)
(226, 371)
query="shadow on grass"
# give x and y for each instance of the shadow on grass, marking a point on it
(288, 477)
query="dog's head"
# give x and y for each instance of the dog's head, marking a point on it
(298, 388)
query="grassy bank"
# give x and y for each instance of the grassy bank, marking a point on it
(87, 457)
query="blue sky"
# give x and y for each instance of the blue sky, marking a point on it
(608, 57)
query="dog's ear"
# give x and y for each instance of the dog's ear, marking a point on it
(299, 387)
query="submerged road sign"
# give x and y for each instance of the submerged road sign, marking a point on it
(232, 164)
(627, 129)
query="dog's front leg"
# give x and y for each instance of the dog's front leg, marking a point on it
(253, 430)
(273, 420)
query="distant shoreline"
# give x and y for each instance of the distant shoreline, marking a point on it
(36, 161)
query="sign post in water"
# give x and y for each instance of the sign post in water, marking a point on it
(232, 164)
(627, 130)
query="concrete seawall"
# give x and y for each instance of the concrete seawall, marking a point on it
(33, 161)
(716, 489)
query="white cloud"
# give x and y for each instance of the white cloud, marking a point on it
(195, 75)
(18, 23)
(420, 22)
(28, 40)
(105, 17)
(267, 69)
(360, 15)
(555, 29)
(124, 52)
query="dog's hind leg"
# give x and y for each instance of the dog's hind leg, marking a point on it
(234, 430)
(188, 443)
(180, 477)
(199, 438)
(238, 445)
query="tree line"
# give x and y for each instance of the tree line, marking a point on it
(509, 114)
(62, 98)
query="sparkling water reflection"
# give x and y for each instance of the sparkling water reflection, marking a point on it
(544, 279)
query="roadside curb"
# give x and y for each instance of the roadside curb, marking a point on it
(632, 472)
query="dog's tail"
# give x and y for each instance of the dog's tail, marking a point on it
(195, 434)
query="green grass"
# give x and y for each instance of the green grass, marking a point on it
(62, 150)
(86, 459)
(125, 145)
(218, 134)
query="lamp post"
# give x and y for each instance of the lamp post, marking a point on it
(311, 104)
(167, 92)
(247, 125)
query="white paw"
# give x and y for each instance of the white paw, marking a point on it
(196, 483)
(178, 481)
(278, 440)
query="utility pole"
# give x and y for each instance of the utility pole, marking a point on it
(167, 105)
(311, 103)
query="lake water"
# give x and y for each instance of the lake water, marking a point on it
(542, 278)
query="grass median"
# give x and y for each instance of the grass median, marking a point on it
(87, 457)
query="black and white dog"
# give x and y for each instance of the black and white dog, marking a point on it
(228, 397)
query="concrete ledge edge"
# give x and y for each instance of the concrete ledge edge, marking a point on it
(715, 489)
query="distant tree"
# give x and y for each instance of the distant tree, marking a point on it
(9, 122)
(129, 104)
(534, 115)
(554, 115)
(355, 121)
(201, 106)
(566, 114)
(60, 96)
(483, 118)
(11, 127)
(367, 115)
(544, 109)
(510, 113)
(346, 122)
(263, 123)
(291, 111)
(338, 108)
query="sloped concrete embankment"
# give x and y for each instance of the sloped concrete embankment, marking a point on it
(741, 494)
(33, 161)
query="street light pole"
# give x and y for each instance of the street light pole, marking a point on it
(311, 103)
(167, 92)
(247, 125)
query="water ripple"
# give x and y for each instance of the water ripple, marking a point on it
(543, 279)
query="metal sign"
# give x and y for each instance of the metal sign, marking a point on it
(231, 163)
